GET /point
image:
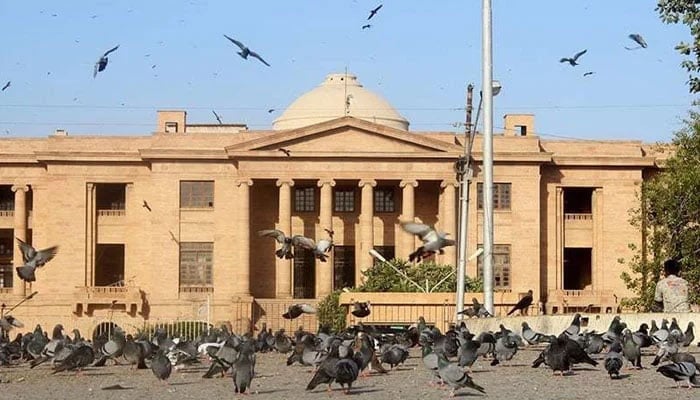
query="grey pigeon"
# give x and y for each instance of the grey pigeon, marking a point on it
(454, 376)
(641, 336)
(572, 60)
(575, 326)
(347, 371)
(468, 353)
(394, 355)
(319, 249)
(430, 360)
(689, 335)
(33, 259)
(433, 241)
(666, 350)
(8, 322)
(51, 348)
(245, 51)
(285, 252)
(295, 310)
(631, 350)
(283, 343)
(327, 370)
(134, 353)
(556, 356)
(530, 336)
(614, 361)
(160, 365)
(637, 39)
(361, 309)
(101, 64)
(505, 348)
(79, 358)
(681, 372)
(244, 368)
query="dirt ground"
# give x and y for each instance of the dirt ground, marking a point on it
(274, 380)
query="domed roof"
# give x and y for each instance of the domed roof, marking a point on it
(338, 96)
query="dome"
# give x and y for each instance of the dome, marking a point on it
(339, 95)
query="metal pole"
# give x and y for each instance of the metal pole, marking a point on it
(487, 89)
(465, 177)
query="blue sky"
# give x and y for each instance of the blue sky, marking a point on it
(419, 55)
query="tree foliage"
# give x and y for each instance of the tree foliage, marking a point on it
(686, 12)
(669, 218)
(381, 277)
(330, 313)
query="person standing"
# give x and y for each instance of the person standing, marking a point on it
(672, 292)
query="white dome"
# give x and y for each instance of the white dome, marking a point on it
(338, 96)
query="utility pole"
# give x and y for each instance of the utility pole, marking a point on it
(464, 174)
(487, 90)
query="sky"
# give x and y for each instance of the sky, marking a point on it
(419, 55)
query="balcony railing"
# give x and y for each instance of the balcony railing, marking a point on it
(578, 216)
(5, 290)
(105, 295)
(111, 213)
(196, 289)
(7, 213)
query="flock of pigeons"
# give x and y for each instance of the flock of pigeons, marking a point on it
(573, 61)
(344, 356)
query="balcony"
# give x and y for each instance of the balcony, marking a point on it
(578, 230)
(87, 296)
(564, 301)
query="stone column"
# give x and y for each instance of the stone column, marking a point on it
(242, 273)
(363, 259)
(90, 233)
(324, 270)
(559, 223)
(285, 276)
(449, 220)
(20, 232)
(597, 275)
(407, 240)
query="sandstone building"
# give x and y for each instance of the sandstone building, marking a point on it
(161, 225)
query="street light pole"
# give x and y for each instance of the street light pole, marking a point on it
(487, 89)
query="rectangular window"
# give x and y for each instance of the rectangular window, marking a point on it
(196, 264)
(304, 199)
(196, 194)
(343, 267)
(344, 200)
(304, 274)
(384, 200)
(501, 266)
(501, 196)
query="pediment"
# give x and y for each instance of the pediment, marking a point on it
(345, 135)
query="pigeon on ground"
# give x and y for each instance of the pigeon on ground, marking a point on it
(556, 355)
(641, 337)
(689, 336)
(33, 259)
(319, 249)
(283, 343)
(572, 60)
(681, 372)
(614, 361)
(101, 64)
(160, 365)
(347, 371)
(631, 350)
(361, 309)
(523, 304)
(326, 371)
(637, 39)
(295, 310)
(594, 342)
(666, 350)
(285, 252)
(244, 368)
(455, 376)
(218, 118)
(7, 85)
(374, 11)
(575, 326)
(51, 348)
(530, 336)
(78, 359)
(394, 355)
(433, 241)
(660, 334)
(134, 353)
(245, 51)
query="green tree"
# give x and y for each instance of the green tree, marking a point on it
(669, 219)
(381, 277)
(686, 12)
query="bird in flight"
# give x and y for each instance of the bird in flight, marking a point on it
(270, 111)
(146, 206)
(33, 259)
(285, 151)
(373, 12)
(101, 64)
(639, 40)
(217, 117)
(366, 26)
(7, 85)
(573, 59)
(588, 73)
(245, 51)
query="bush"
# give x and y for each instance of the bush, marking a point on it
(330, 313)
(431, 277)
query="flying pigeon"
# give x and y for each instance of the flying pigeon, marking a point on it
(639, 40)
(146, 206)
(319, 249)
(433, 241)
(295, 311)
(271, 110)
(7, 85)
(523, 304)
(245, 51)
(101, 64)
(573, 59)
(217, 117)
(285, 151)
(588, 73)
(373, 12)
(33, 259)
(366, 26)
(285, 252)
(8, 322)
(361, 309)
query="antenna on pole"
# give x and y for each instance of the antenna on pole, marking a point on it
(347, 97)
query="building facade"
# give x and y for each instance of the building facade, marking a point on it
(164, 226)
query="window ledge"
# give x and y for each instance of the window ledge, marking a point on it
(196, 208)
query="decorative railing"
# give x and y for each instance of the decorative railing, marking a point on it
(196, 289)
(7, 213)
(578, 217)
(111, 213)
(101, 295)
(5, 290)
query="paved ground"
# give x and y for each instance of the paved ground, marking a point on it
(513, 380)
